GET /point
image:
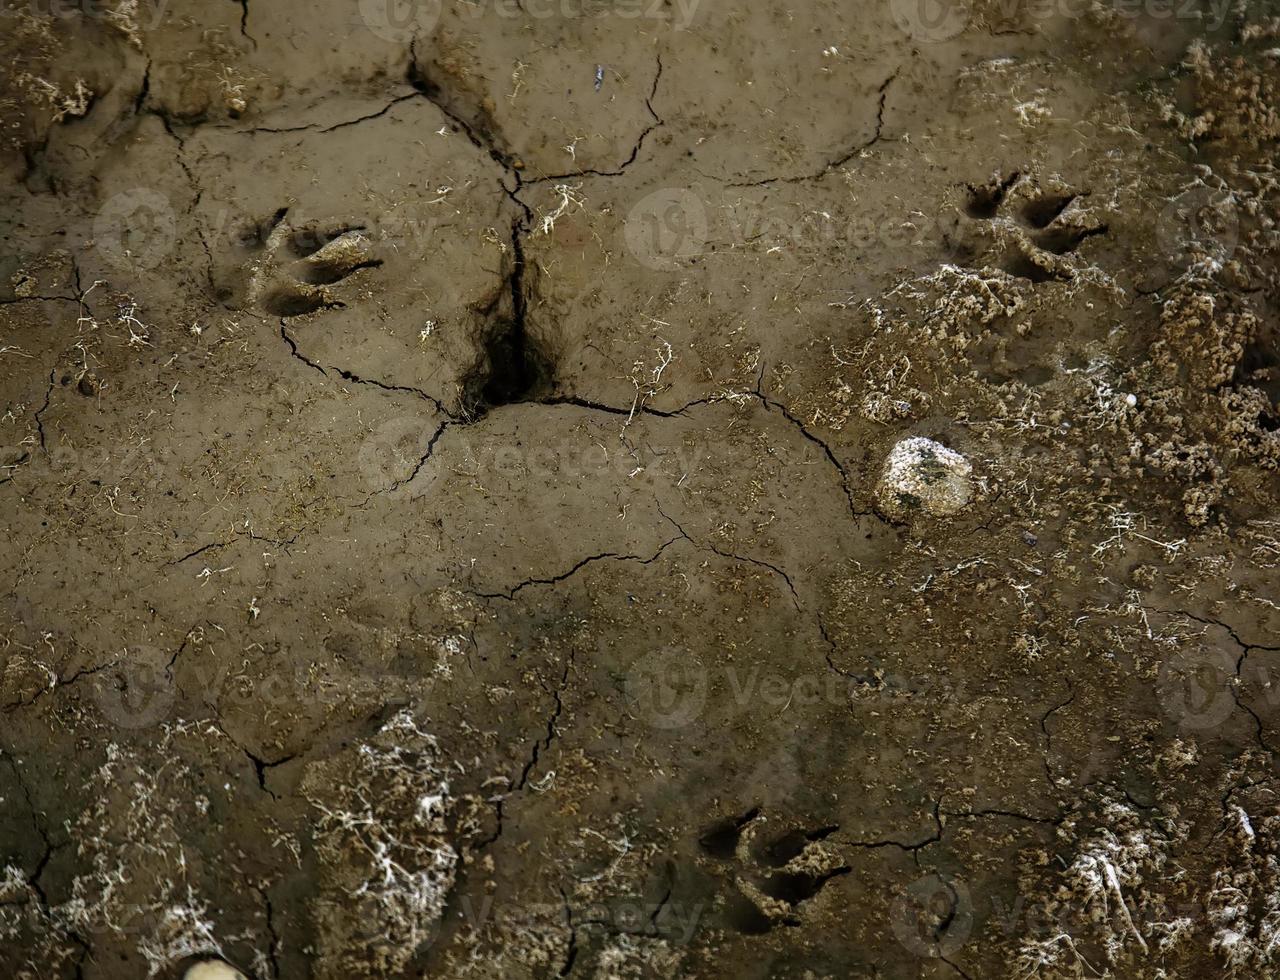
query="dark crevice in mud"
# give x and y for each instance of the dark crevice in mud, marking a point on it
(795, 596)
(293, 350)
(244, 23)
(1011, 814)
(192, 180)
(198, 551)
(355, 378)
(1208, 621)
(182, 648)
(594, 406)
(41, 866)
(44, 408)
(373, 115)
(635, 149)
(840, 161)
(571, 949)
(62, 682)
(38, 299)
(712, 549)
(274, 947)
(1234, 685)
(249, 535)
(481, 129)
(1234, 688)
(652, 927)
(144, 89)
(316, 127)
(260, 767)
(591, 559)
(1048, 736)
(512, 368)
(911, 848)
(541, 745)
(170, 124)
(826, 449)
(831, 649)
(36, 823)
(375, 383)
(422, 460)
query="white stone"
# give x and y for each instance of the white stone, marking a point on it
(923, 475)
(213, 970)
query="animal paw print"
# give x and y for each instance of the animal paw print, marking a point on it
(1027, 229)
(774, 871)
(300, 265)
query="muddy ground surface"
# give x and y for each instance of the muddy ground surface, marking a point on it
(440, 486)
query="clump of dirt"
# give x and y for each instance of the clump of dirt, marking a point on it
(381, 837)
(1235, 93)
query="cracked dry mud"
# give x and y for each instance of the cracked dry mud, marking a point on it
(439, 465)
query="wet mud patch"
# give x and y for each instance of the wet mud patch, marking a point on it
(525, 494)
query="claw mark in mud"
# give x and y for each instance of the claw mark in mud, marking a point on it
(721, 839)
(322, 260)
(774, 876)
(984, 201)
(1028, 240)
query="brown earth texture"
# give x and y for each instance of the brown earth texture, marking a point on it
(639, 488)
